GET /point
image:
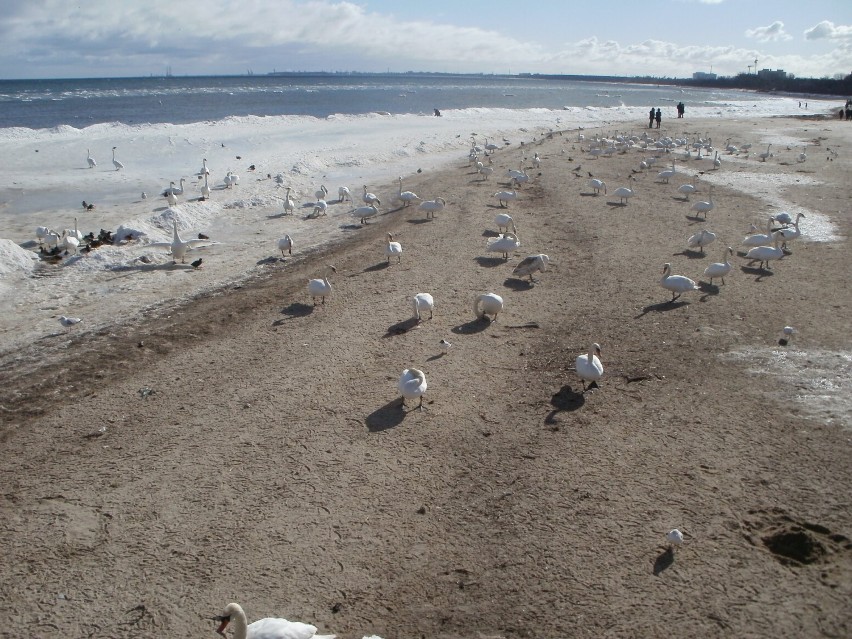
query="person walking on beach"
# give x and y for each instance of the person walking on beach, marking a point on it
(680, 109)
(651, 118)
(658, 117)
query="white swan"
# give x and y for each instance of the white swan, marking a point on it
(433, 206)
(42, 232)
(320, 208)
(701, 239)
(783, 218)
(803, 156)
(285, 244)
(677, 284)
(686, 190)
(536, 161)
(717, 162)
(70, 243)
(674, 537)
(118, 165)
(530, 265)
(171, 198)
(504, 244)
(763, 156)
(75, 232)
(90, 160)
(520, 180)
(787, 235)
(370, 198)
(666, 174)
(760, 239)
(506, 196)
(180, 247)
(406, 197)
(321, 287)
(589, 367)
(485, 171)
(503, 222)
(720, 269)
(412, 385)
(393, 249)
(765, 254)
(343, 194)
(421, 303)
(204, 170)
(487, 303)
(178, 191)
(268, 628)
(321, 193)
(364, 212)
(205, 190)
(623, 193)
(703, 206)
(597, 185)
(289, 205)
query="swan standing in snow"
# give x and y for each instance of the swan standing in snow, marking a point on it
(589, 367)
(70, 243)
(90, 160)
(393, 249)
(433, 206)
(783, 218)
(787, 235)
(179, 247)
(717, 162)
(205, 190)
(268, 628)
(320, 208)
(701, 239)
(765, 254)
(720, 269)
(504, 244)
(321, 193)
(370, 198)
(364, 212)
(75, 232)
(421, 303)
(321, 287)
(285, 244)
(412, 385)
(42, 232)
(118, 165)
(171, 198)
(506, 196)
(487, 303)
(204, 169)
(597, 185)
(703, 206)
(406, 197)
(677, 284)
(289, 205)
(343, 194)
(530, 265)
(503, 222)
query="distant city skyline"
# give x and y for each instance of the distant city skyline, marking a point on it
(675, 38)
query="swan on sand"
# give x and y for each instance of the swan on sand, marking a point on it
(412, 385)
(268, 628)
(321, 287)
(589, 367)
(677, 284)
(487, 303)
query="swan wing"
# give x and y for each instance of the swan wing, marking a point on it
(274, 628)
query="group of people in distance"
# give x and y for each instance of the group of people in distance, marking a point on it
(656, 115)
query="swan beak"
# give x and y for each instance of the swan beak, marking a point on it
(221, 629)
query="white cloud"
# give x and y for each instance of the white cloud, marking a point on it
(773, 33)
(827, 29)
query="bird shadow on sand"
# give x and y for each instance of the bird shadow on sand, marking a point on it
(489, 262)
(420, 220)
(380, 266)
(402, 327)
(708, 289)
(516, 284)
(696, 218)
(618, 204)
(434, 357)
(351, 227)
(662, 307)
(690, 254)
(565, 399)
(584, 194)
(272, 259)
(167, 266)
(388, 416)
(490, 233)
(472, 327)
(664, 560)
(760, 272)
(296, 309)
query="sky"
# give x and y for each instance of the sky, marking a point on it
(666, 38)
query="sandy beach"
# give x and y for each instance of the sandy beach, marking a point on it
(241, 444)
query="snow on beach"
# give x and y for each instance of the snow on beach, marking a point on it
(47, 179)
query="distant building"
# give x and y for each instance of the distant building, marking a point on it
(701, 75)
(769, 74)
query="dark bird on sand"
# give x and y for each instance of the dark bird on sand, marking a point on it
(87, 206)
(196, 263)
(201, 236)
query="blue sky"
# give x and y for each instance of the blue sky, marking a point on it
(104, 38)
